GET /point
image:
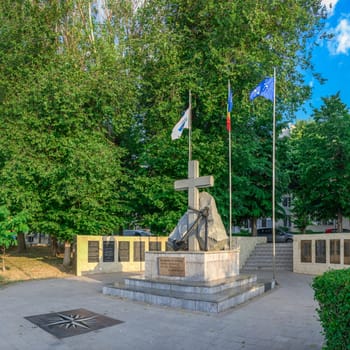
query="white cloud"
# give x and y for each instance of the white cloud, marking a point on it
(340, 44)
(330, 6)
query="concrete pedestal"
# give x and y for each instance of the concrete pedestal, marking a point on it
(192, 266)
(199, 281)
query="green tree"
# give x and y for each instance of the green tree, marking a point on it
(64, 117)
(10, 228)
(82, 89)
(320, 155)
(200, 45)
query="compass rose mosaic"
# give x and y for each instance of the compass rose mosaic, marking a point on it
(72, 322)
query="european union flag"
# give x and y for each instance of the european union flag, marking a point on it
(229, 100)
(264, 89)
(229, 108)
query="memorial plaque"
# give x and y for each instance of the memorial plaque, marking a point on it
(108, 251)
(124, 251)
(306, 251)
(93, 251)
(320, 251)
(347, 251)
(335, 251)
(139, 251)
(155, 246)
(174, 267)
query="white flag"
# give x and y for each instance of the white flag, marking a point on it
(181, 125)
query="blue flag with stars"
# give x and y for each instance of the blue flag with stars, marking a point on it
(264, 89)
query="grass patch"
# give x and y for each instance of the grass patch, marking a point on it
(35, 263)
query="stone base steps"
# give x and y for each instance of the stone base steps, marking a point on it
(212, 297)
(261, 257)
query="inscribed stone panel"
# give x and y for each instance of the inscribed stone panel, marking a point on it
(335, 251)
(306, 251)
(347, 251)
(93, 251)
(139, 251)
(320, 251)
(108, 251)
(174, 267)
(124, 251)
(155, 246)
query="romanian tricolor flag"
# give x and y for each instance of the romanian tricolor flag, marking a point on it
(229, 108)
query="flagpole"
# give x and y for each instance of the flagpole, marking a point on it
(190, 216)
(230, 171)
(189, 126)
(274, 181)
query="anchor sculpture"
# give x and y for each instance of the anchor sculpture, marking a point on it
(201, 227)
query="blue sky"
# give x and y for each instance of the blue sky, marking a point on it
(332, 58)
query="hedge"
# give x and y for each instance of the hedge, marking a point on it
(332, 291)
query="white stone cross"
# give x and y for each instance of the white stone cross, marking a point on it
(192, 184)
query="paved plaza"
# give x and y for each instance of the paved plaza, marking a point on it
(284, 318)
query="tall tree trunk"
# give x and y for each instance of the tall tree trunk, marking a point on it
(67, 254)
(254, 226)
(339, 221)
(3, 259)
(21, 243)
(54, 246)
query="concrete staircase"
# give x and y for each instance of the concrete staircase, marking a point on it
(261, 257)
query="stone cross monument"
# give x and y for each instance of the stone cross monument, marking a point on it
(192, 184)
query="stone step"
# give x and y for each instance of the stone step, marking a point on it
(268, 247)
(268, 268)
(281, 252)
(278, 252)
(210, 287)
(277, 245)
(269, 261)
(202, 297)
(269, 258)
(261, 257)
(269, 255)
(266, 263)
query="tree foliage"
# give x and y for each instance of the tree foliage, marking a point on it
(320, 156)
(64, 116)
(10, 227)
(89, 95)
(199, 45)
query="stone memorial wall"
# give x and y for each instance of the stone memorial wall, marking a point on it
(96, 254)
(317, 253)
